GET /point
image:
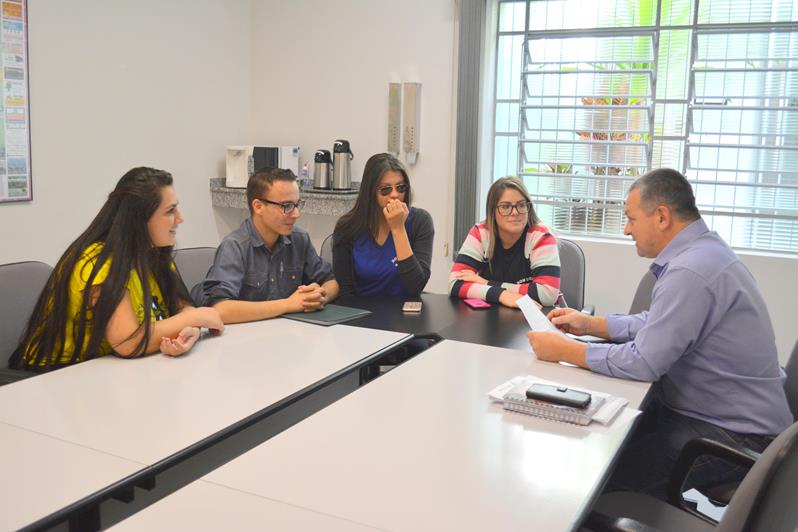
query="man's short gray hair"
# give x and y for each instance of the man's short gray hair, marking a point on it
(666, 186)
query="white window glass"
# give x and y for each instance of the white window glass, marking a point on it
(591, 94)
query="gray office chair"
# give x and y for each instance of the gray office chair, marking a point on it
(21, 283)
(194, 263)
(791, 383)
(572, 275)
(326, 249)
(642, 299)
(722, 493)
(765, 500)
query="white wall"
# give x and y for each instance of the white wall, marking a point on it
(121, 84)
(320, 71)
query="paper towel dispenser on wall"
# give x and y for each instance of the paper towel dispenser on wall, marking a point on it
(243, 161)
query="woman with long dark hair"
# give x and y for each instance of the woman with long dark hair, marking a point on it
(383, 246)
(508, 255)
(95, 302)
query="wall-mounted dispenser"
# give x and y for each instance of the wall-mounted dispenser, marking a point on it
(394, 117)
(411, 130)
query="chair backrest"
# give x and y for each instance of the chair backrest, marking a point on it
(791, 384)
(21, 283)
(642, 299)
(572, 273)
(765, 499)
(194, 263)
(326, 249)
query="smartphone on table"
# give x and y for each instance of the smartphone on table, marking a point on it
(476, 303)
(412, 306)
(558, 395)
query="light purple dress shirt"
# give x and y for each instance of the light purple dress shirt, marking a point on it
(707, 338)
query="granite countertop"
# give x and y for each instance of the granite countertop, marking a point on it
(323, 202)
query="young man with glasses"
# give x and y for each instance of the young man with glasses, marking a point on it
(268, 267)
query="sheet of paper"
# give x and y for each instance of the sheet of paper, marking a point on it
(537, 321)
(587, 338)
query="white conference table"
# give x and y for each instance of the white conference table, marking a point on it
(199, 503)
(43, 475)
(147, 409)
(423, 448)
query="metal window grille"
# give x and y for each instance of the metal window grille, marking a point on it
(591, 94)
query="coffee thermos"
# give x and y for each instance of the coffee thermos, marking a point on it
(322, 169)
(342, 172)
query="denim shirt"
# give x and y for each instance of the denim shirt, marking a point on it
(707, 338)
(245, 269)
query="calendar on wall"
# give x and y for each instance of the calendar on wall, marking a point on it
(15, 169)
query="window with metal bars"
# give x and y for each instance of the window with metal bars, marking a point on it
(591, 94)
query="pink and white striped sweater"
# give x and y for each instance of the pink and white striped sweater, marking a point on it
(544, 261)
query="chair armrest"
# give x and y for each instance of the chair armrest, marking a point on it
(599, 522)
(7, 375)
(590, 310)
(690, 453)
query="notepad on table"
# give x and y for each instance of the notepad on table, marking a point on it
(602, 409)
(517, 401)
(329, 315)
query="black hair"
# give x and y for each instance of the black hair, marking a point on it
(121, 228)
(261, 182)
(666, 186)
(364, 218)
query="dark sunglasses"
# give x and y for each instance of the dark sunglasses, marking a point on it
(386, 190)
(287, 206)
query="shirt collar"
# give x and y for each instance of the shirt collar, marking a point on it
(257, 240)
(678, 244)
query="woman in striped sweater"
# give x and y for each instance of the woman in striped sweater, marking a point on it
(510, 254)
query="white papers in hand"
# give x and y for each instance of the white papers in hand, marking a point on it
(534, 317)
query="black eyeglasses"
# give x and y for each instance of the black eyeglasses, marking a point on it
(386, 190)
(506, 209)
(287, 206)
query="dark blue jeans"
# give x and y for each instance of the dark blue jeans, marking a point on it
(647, 460)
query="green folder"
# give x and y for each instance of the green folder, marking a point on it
(329, 315)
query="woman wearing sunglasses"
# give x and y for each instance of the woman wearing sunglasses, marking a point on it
(383, 246)
(508, 255)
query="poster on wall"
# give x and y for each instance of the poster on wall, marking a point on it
(15, 171)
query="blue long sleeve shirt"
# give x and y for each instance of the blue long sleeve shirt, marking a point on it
(707, 338)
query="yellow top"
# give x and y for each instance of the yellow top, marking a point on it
(77, 284)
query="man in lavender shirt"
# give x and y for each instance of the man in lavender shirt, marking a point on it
(707, 342)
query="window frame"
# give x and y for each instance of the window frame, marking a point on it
(687, 138)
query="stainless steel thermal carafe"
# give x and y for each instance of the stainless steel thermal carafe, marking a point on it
(342, 172)
(322, 169)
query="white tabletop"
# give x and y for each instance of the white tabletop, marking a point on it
(43, 475)
(423, 448)
(147, 409)
(205, 506)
